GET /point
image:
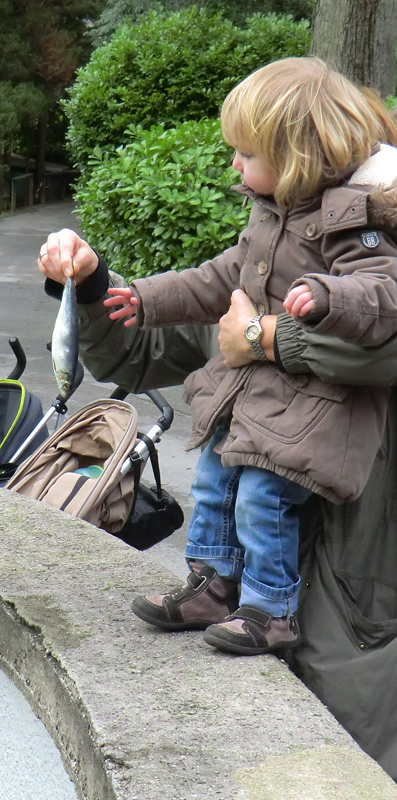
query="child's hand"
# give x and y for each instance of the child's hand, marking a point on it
(299, 301)
(128, 303)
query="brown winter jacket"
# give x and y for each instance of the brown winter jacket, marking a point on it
(323, 436)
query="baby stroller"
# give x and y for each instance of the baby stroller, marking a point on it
(23, 424)
(91, 467)
(20, 413)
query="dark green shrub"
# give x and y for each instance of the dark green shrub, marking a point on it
(117, 11)
(268, 38)
(163, 201)
(154, 198)
(166, 70)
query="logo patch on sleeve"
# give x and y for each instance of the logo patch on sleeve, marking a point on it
(370, 239)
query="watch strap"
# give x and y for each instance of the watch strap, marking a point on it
(256, 346)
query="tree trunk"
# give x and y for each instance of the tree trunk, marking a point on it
(39, 170)
(2, 180)
(358, 38)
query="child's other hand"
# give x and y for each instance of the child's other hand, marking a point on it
(128, 303)
(299, 301)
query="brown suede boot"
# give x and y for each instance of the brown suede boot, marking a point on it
(205, 598)
(249, 632)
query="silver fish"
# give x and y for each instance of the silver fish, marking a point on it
(65, 341)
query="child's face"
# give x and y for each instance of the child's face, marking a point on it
(255, 172)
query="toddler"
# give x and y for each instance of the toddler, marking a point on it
(306, 144)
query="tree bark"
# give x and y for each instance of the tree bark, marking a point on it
(358, 38)
(2, 180)
(39, 171)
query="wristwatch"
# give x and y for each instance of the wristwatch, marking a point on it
(253, 334)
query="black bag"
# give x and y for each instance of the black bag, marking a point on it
(154, 515)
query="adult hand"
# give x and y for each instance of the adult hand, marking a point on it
(64, 254)
(232, 342)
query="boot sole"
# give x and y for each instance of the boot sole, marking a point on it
(231, 647)
(168, 625)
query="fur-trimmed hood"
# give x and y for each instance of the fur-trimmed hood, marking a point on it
(380, 171)
(382, 208)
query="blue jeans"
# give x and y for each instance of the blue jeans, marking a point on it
(245, 525)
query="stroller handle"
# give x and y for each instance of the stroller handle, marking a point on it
(20, 356)
(157, 398)
(168, 413)
(141, 450)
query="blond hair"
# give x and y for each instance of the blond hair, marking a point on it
(308, 122)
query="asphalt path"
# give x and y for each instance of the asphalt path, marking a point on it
(26, 312)
(30, 765)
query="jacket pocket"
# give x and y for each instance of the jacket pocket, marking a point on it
(288, 407)
(370, 606)
(201, 380)
(211, 393)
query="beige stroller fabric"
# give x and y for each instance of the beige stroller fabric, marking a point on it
(103, 433)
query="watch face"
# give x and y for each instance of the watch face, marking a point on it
(253, 331)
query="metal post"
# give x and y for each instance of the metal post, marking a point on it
(13, 196)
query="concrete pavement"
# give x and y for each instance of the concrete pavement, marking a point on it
(143, 715)
(26, 312)
(138, 714)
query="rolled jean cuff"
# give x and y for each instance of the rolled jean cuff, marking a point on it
(228, 561)
(276, 602)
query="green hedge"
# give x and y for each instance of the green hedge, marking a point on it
(236, 11)
(169, 69)
(154, 191)
(163, 201)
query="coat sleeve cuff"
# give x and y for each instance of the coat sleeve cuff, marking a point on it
(288, 345)
(321, 300)
(90, 290)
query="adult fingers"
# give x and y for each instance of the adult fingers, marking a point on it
(62, 248)
(64, 254)
(56, 256)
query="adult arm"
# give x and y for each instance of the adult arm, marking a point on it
(139, 359)
(334, 360)
(135, 359)
(297, 350)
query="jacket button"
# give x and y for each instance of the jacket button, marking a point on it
(266, 216)
(353, 210)
(311, 229)
(262, 267)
